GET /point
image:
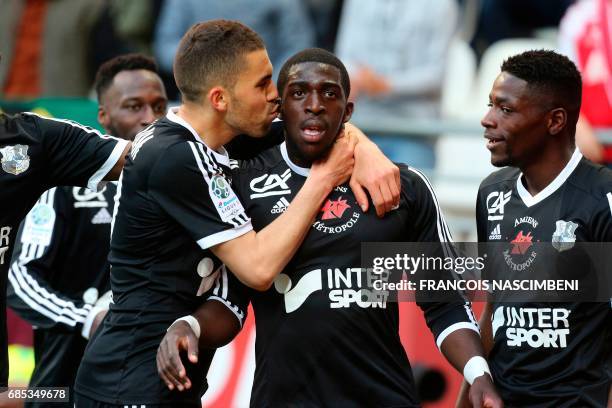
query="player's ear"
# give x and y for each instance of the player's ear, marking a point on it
(348, 111)
(218, 98)
(103, 117)
(557, 120)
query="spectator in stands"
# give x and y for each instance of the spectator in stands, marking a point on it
(585, 36)
(395, 52)
(499, 19)
(46, 47)
(284, 25)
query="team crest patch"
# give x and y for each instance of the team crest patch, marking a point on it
(564, 237)
(15, 159)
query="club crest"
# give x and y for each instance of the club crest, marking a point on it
(15, 159)
(564, 238)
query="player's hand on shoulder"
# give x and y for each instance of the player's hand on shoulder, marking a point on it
(483, 394)
(376, 173)
(336, 167)
(180, 337)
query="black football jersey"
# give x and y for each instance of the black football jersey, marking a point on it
(320, 341)
(175, 201)
(37, 154)
(549, 354)
(58, 271)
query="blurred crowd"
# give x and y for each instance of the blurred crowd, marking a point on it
(399, 53)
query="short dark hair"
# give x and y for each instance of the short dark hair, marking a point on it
(314, 55)
(126, 62)
(550, 74)
(212, 51)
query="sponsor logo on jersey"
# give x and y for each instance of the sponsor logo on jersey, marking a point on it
(102, 217)
(4, 242)
(345, 289)
(526, 220)
(15, 159)
(521, 253)
(90, 296)
(521, 243)
(270, 185)
(496, 201)
(38, 225)
(280, 206)
(332, 211)
(86, 198)
(531, 326)
(564, 236)
(495, 233)
(206, 270)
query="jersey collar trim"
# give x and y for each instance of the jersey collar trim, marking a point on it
(222, 156)
(302, 171)
(530, 200)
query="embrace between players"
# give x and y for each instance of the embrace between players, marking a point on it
(186, 258)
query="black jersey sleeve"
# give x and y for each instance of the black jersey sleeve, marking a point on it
(77, 154)
(429, 225)
(245, 147)
(232, 293)
(481, 221)
(29, 292)
(197, 196)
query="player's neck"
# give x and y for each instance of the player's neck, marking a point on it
(207, 124)
(294, 155)
(542, 171)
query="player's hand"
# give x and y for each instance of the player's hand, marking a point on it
(483, 395)
(180, 337)
(96, 322)
(336, 167)
(374, 172)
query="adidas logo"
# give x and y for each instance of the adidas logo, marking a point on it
(496, 233)
(102, 217)
(280, 206)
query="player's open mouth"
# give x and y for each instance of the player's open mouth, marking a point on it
(313, 133)
(494, 141)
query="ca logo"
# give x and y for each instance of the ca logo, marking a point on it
(270, 185)
(495, 204)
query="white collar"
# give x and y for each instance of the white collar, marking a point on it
(222, 156)
(569, 168)
(302, 171)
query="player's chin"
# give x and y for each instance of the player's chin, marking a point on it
(500, 161)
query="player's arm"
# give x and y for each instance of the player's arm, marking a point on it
(215, 323)
(486, 330)
(78, 155)
(375, 173)
(452, 322)
(115, 171)
(257, 258)
(28, 291)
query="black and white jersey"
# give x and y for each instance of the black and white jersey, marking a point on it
(175, 201)
(319, 342)
(549, 354)
(58, 271)
(38, 154)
